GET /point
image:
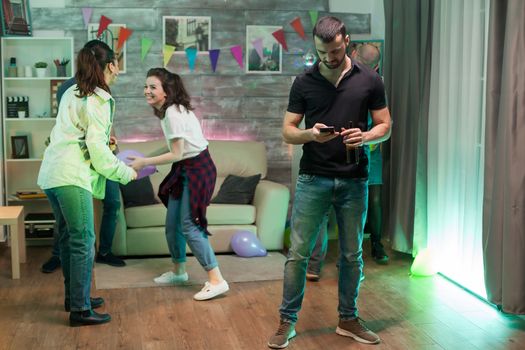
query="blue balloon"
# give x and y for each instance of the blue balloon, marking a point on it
(246, 244)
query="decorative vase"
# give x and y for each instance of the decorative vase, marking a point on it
(40, 72)
(61, 71)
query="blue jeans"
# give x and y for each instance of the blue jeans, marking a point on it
(313, 197)
(108, 224)
(315, 265)
(73, 210)
(180, 229)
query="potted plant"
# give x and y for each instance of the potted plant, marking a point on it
(41, 69)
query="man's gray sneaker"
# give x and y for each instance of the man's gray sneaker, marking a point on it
(356, 329)
(284, 333)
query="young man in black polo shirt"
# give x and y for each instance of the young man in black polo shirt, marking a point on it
(336, 92)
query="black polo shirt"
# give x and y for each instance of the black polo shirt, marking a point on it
(361, 89)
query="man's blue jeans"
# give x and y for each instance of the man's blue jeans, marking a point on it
(73, 210)
(313, 197)
(180, 229)
(108, 224)
(109, 216)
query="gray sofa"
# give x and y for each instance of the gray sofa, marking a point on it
(140, 230)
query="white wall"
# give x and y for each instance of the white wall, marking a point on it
(374, 7)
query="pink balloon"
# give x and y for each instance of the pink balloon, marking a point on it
(246, 244)
(146, 171)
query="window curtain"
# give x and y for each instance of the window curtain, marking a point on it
(504, 195)
(408, 42)
(455, 141)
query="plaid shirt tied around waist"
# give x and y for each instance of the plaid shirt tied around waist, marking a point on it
(201, 173)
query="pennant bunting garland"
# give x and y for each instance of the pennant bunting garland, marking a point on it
(258, 45)
(298, 26)
(279, 36)
(313, 16)
(103, 24)
(214, 57)
(86, 14)
(145, 45)
(191, 55)
(237, 53)
(123, 35)
(168, 52)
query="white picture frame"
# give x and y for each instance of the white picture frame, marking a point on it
(110, 37)
(184, 32)
(272, 60)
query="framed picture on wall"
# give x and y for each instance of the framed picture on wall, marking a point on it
(359, 46)
(53, 86)
(16, 17)
(110, 36)
(264, 54)
(19, 147)
(184, 32)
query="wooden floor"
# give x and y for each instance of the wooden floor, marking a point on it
(407, 313)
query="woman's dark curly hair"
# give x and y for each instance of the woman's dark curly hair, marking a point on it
(173, 86)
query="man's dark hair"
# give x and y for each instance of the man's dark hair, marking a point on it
(328, 27)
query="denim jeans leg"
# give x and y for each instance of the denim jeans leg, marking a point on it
(109, 216)
(56, 239)
(174, 236)
(350, 209)
(60, 238)
(77, 239)
(312, 200)
(197, 239)
(315, 265)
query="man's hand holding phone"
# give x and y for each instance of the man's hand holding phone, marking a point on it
(323, 133)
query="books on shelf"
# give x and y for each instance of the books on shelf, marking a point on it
(30, 194)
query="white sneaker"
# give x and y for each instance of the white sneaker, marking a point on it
(212, 290)
(171, 278)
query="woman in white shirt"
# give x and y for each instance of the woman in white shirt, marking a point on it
(74, 170)
(188, 188)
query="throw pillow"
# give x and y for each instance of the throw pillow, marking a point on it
(237, 190)
(138, 192)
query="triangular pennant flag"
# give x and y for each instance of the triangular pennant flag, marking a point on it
(237, 53)
(168, 52)
(279, 36)
(214, 57)
(258, 45)
(145, 45)
(298, 26)
(191, 54)
(86, 14)
(103, 24)
(123, 35)
(313, 16)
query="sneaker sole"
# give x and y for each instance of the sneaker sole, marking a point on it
(277, 346)
(346, 333)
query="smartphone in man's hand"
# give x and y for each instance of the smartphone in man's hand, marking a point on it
(327, 129)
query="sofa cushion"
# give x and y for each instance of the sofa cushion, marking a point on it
(237, 189)
(217, 214)
(138, 193)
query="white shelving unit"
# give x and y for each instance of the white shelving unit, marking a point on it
(21, 174)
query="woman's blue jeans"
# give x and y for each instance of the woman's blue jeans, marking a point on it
(180, 229)
(73, 210)
(108, 224)
(313, 197)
